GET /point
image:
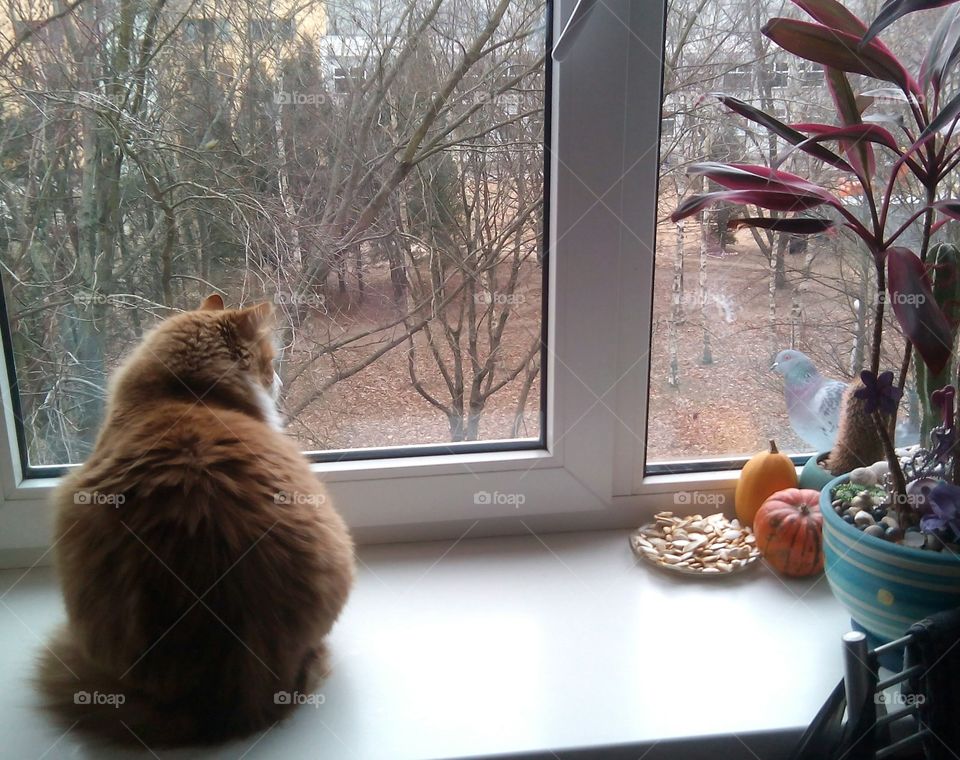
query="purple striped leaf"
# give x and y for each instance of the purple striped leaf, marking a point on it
(838, 50)
(943, 120)
(803, 226)
(780, 129)
(888, 93)
(943, 50)
(867, 132)
(832, 14)
(859, 152)
(757, 177)
(894, 9)
(769, 199)
(938, 225)
(921, 318)
(950, 208)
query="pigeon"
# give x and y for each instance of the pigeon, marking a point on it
(813, 401)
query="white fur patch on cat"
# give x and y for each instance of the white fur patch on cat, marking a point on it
(267, 401)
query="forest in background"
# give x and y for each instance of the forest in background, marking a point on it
(376, 169)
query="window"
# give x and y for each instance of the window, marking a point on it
(268, 28)
(375, 18)
(811, 74)
(738, 78)
(205, 29)
(346, 80)
(568, 432)
(780, 74)
(24, 27)
(726, 299)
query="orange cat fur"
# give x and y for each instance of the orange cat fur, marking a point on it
(201, 562)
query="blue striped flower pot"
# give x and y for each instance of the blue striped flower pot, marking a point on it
(886, 587)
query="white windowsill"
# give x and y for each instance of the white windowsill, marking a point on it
(512, 645)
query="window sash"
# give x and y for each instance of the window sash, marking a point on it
(589, 473)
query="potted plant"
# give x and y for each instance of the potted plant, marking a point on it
(891, 524)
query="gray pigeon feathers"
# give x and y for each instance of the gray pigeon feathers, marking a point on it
(813, 401)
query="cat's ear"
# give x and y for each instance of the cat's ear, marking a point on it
(212, 303)
(254, 321)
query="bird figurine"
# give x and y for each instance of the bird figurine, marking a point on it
(813, 401)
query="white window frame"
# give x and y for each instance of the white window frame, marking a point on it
(603, 199)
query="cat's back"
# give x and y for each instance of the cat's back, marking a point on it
(179, 474)
(193, 448)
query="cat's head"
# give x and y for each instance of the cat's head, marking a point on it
(211, 352)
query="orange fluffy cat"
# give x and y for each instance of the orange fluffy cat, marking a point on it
(201, 563)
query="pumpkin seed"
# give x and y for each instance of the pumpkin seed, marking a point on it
(712, 544)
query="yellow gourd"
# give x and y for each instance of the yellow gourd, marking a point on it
(762, 476)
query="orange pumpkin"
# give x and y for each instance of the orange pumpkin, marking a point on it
(764, 474)
(789, 530)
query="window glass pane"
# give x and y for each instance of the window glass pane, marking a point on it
(338, 159)
(727, 300)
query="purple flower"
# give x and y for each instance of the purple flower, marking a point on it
(942, 509)
(878, 394)
(943, 399)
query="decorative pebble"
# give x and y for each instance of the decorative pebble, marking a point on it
(914, 539)
(874, 530)
(933, 542)
(890, 521)
(862, 500)
(893, 534)
(918, 490)
(863, 476)
(863, 518)
(878, 513)
(848, 519)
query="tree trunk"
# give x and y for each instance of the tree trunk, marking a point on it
(772, 302)
(358, 263)
(707, 356)
(676, 311)
(780, 267)
(796, 320)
